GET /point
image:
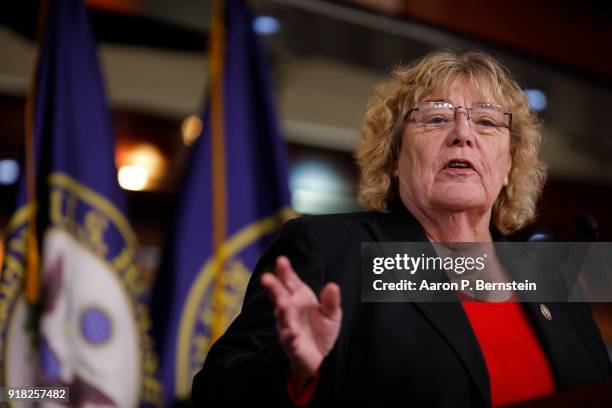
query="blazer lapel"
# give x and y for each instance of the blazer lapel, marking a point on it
(447, 318)
(554, 336)
(550, 320)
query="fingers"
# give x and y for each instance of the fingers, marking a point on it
(280, 288)
(286, 336)
(330, 301)
(285, 314)
(276, 290)
(287, 275)
(285, 282)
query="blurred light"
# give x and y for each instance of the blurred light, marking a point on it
(316, 202)
(266, 25)
(191, 128)
(315, 175)
(318, 188)
(144, 156)
(9, 172)
(133, 177)
(540, 237)
(537, 99)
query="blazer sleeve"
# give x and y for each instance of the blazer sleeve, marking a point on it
(247, 364)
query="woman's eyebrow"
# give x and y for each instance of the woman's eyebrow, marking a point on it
(483, 102)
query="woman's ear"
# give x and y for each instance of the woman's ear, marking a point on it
(507, 177)
(397, 147)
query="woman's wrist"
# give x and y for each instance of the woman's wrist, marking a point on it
(303, 370)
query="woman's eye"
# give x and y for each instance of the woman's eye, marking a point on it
(436, 120)
(486, 122)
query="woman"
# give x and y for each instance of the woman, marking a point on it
(448, 154)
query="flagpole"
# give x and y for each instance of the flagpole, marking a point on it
(217, 58)
(32, 280)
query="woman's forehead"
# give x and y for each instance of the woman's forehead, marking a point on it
(459, 90)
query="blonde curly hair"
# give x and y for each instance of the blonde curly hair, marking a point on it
(377, 150)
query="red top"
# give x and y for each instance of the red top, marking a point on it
(301, 391)
(518, 368)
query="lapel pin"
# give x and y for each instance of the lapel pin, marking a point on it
(545, 312)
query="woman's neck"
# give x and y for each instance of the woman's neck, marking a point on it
(450, 226)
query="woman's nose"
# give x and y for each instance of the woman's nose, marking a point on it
(462, 133)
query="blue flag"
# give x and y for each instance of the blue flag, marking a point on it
(92, 325)
(234, 198)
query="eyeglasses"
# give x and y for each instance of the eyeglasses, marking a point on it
(485, 118)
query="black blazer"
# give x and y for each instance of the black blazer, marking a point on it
(387, 354)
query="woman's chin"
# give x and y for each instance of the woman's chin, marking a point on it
(459, 201)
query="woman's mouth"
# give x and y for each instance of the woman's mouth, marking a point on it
(459, 166)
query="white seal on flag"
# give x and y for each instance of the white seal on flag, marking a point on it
(90, 336)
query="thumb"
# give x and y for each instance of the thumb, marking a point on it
(330, 301)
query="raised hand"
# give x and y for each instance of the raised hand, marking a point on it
(307, 327)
